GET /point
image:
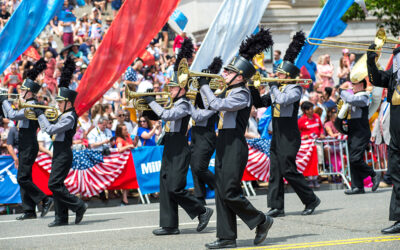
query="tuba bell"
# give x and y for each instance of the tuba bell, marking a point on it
(138, 103)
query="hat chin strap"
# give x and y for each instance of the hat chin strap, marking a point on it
(233, 79)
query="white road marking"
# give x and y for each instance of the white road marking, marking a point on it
(91, 231)
(98, 214)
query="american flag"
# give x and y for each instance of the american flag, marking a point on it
(258, 163)
(91, 173)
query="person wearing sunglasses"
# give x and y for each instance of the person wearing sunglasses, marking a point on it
(147, 132)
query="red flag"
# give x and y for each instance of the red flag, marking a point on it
(136, 23)
(32, 53)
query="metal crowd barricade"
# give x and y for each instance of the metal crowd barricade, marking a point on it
(334, 151)
(380, 153)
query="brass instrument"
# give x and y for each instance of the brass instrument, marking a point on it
(380, 40)
(140, 104)
(51, 113)
(258, 80)
(11, 96)
(187, 77)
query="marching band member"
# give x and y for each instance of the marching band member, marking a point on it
(63, 131)
(28, 147)
(358, 137)
(391, 80)
(176, 158)
(203, 140)
(231, 149)
(285, 99)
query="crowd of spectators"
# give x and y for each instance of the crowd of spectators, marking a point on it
(111, 122)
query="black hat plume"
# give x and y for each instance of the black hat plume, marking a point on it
(256, 44)
(215, 66)
(38, 68)
(186, 51)
(67, 72)
(295, 47)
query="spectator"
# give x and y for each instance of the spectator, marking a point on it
(49, 73)
(124, 142)
(4, 15)
(325, 72)
(45, 143)
(178, 42)
(82, 28)
(85, 122)
(100, 4)
(97, 113)
(12, 144)
(121, 120)
(328, 98)
(132, 78)
(343, 71)
(147, 132)
(13, 80)
(252, 127)
(68, 34)
(113, 96)
(258, 62)
(277, 61)
(116, 5)
(98, 140)
(312, 70)
(352, 60)
(129, 122)
(329, 126)
(310, 126)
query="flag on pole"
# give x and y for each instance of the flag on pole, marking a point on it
(25, 24)
(234, 21)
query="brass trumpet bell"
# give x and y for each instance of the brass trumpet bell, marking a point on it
(51, 113)
(140, 104)
(190, 78)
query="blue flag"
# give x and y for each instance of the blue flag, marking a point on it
(179, 18)
(26, 23)
(9, 188)
(328, 24)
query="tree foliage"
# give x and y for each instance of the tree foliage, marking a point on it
(386, 11)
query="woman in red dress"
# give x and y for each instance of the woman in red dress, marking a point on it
(310, 126)
(124, 142)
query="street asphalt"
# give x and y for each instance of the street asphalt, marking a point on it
(340, 222)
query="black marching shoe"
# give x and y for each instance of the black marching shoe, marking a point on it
(275, 212)
(394, 229)
(166, 231)
(80, 212)
(355, 191)
(218, 244)
(47, 206)
(27, 216)
(57, 223)
(375, 182)
(311, 207)
(262, 230)
(204, 218)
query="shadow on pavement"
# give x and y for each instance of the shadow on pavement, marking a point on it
(270, 241)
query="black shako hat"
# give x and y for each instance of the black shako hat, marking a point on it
(287, 67)
(251, 46)
(66, 94)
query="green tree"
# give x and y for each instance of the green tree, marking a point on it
(386, 11)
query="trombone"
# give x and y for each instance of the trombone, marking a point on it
(380, 40)
(11, 96)
(51, 113)
(140, 104)
(187, 77)
(258, 80)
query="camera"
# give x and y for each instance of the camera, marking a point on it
(106, 151)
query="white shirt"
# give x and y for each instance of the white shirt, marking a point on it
(85, 125)
(46, 139)
(96, 136)
(128, 125)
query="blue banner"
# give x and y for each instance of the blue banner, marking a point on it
(9, 188)
(25, 24)
(328, 24)
(148, 165)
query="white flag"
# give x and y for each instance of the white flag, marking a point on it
(234, 21)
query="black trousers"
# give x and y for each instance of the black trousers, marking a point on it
(230, 162)
(202, 149)
(174, 168)
(284, 147)
(30, 193)
(394, 171)
(63, 200)
(359, 170)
